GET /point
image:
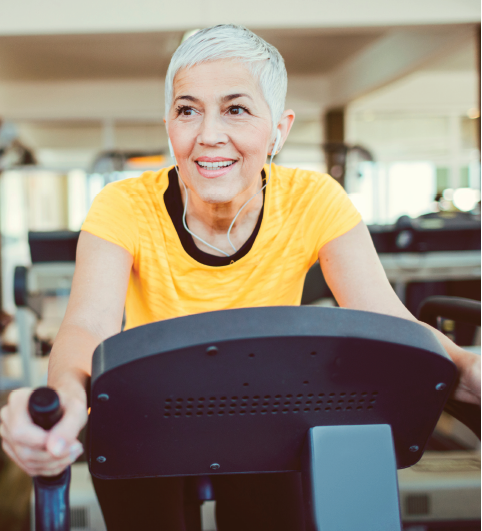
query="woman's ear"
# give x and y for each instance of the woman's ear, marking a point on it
(284, 127)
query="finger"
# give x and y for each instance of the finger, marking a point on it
(43, 457)
(24, 435)
(48, 468)
(11, 454)
(62, 438)
(17, 424)
(9, 451)
(21, 451)
(466, 395)
(53, 467)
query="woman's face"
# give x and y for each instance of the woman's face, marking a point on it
(220, 128)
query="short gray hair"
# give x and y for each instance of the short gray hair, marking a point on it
(228, 41)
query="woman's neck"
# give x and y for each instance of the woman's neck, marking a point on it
(211, 221)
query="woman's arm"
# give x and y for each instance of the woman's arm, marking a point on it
(94, 313)
(353, 272)
(95, 308)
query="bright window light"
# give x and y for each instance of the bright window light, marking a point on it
(412, 188)
(95, 185)
(77, 200)
(465, 199)
(448, 194)
(366, 192)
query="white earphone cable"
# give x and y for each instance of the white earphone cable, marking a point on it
(239, 211)
(185, 224)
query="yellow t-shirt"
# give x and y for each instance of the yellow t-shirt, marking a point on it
(303, 211)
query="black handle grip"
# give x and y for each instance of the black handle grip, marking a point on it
(52, 512)
(455, 308)
(44, 407)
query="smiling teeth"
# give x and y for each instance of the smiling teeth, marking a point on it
(215, 165)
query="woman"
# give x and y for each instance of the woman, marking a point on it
(222, 230)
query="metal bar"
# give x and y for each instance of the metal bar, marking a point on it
(26, 325)
(350, 479)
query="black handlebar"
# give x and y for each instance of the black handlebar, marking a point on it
(455, 308)
(52, 512)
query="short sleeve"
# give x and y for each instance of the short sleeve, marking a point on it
(111, 217)
(330, 215)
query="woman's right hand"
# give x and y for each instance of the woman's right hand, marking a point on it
(36, 451)
(94, 313)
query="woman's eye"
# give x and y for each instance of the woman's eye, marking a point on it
(185, 111)
(236, 110)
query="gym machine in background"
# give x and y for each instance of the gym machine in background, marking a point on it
(435, 254)
(51, 273)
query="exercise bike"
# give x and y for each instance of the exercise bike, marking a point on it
(346, 397)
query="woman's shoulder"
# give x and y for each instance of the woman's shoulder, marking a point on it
(299, 179)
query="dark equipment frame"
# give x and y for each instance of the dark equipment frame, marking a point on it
(344, 396)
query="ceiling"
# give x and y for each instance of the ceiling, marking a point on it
(147, 55)
(463, 58)
(63, 88)
(318, 51)
(71, 57)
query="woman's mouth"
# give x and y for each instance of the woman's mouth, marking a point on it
(215, 165)
(211, 170)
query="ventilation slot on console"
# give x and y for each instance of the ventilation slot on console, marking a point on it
(245, 405)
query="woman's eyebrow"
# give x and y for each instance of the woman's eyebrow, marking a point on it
(235, 96)
(187, 97)
(224, 99)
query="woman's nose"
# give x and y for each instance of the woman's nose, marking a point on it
(211, 133)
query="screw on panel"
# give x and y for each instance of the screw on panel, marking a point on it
(103, 397)
(215, 466)
(101, 459)
(212, 351)
(440, 386)
(414, 448)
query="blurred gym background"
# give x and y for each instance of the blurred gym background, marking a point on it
(387, 100)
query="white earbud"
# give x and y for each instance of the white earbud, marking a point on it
(171, 150)
(277, 142)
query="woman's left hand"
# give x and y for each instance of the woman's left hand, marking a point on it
(468, 388)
